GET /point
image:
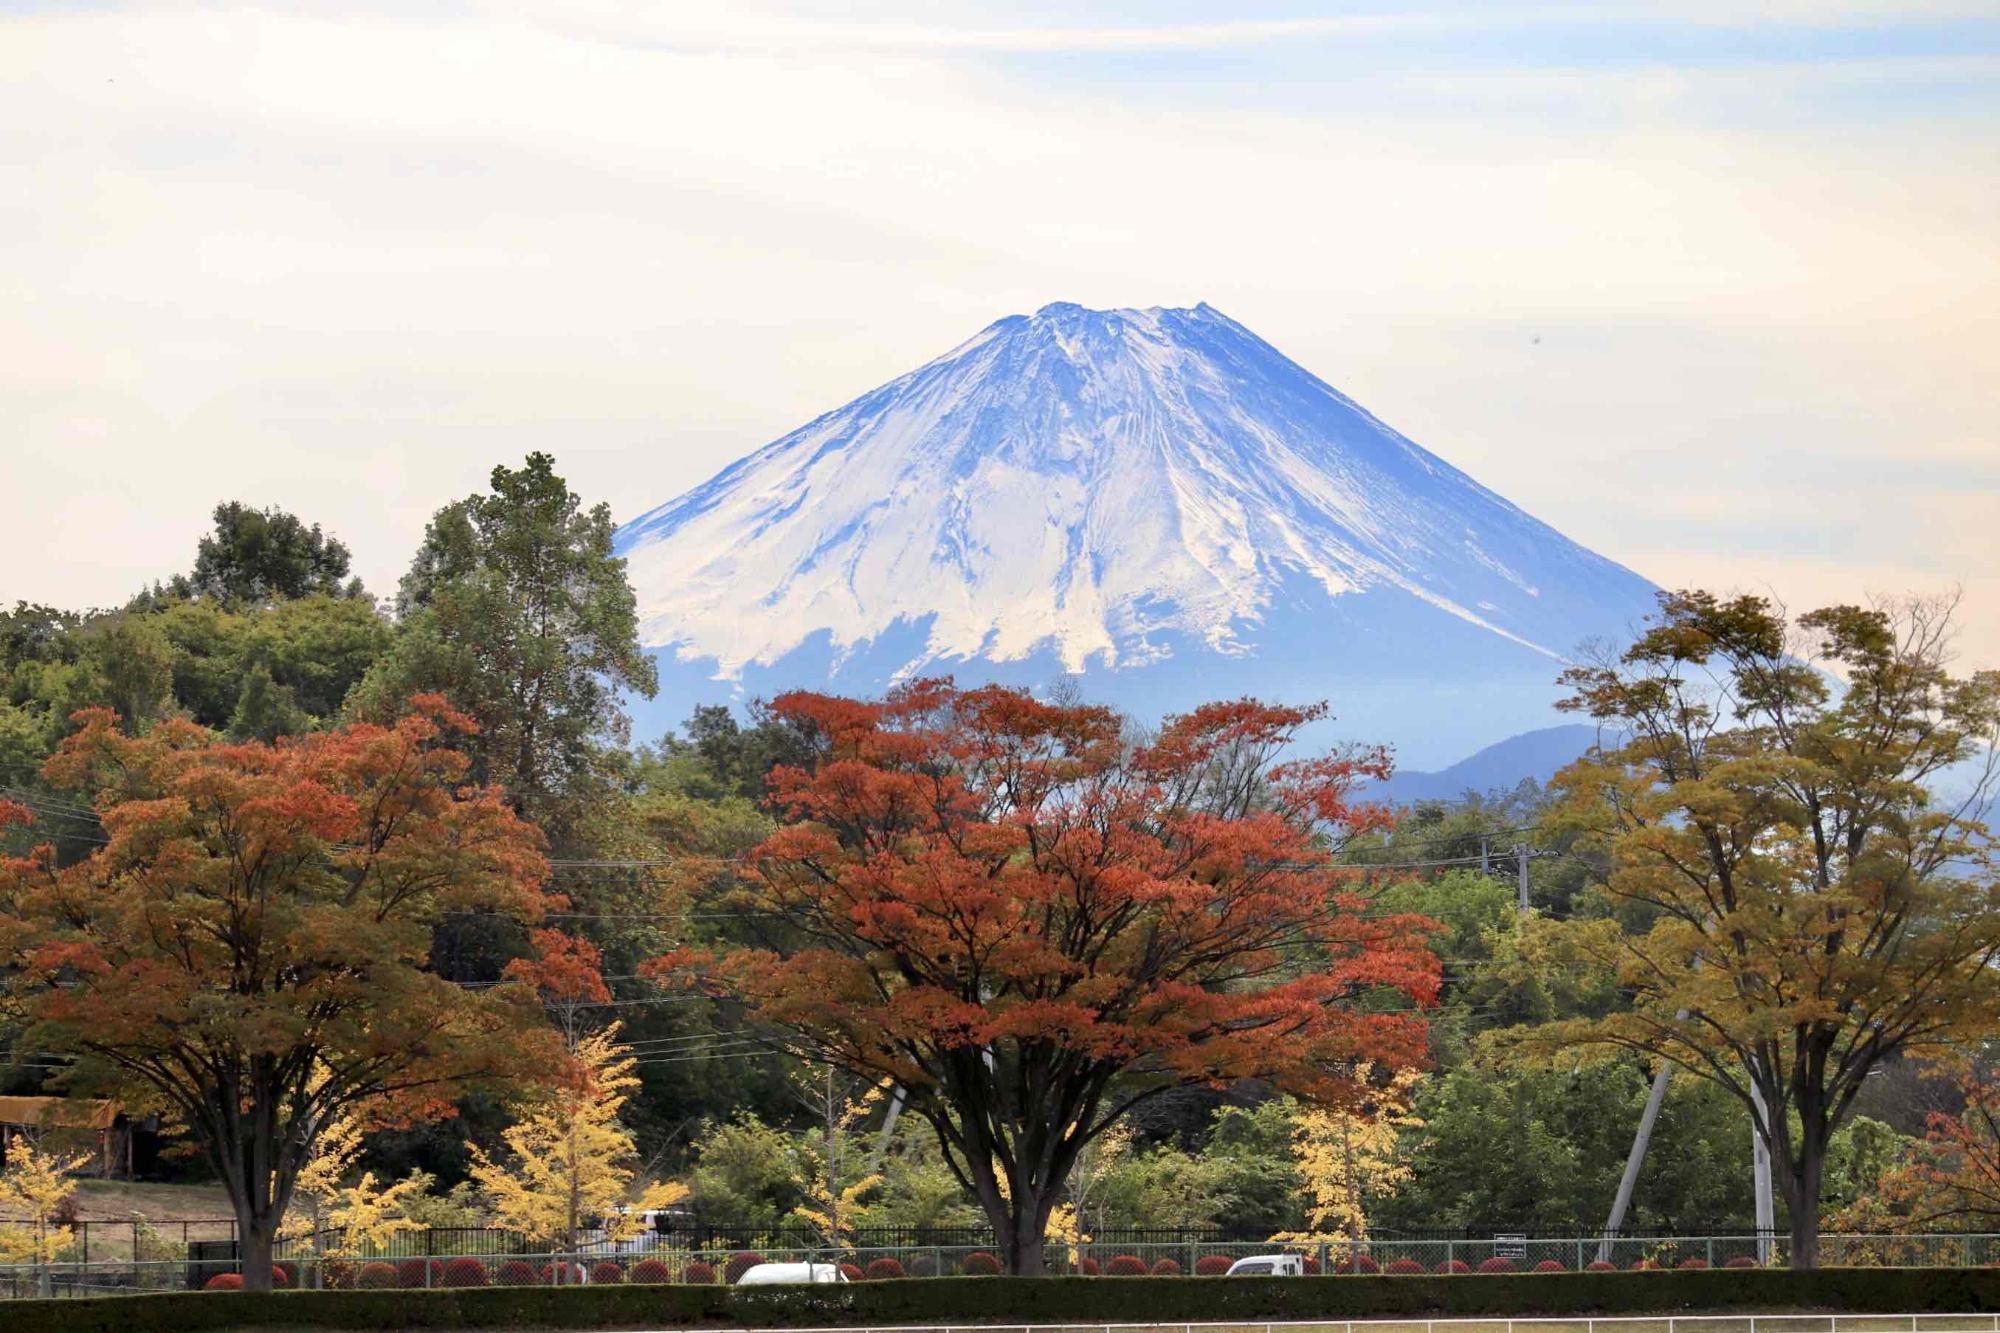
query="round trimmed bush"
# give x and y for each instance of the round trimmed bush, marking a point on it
(1404, 1267)
(465, 1272)
(651, 1272)
(923, 1266)
(1740, 1261)
(1454, 1266)
(852, 1272)
(336, 1274)
(980, 1264)
(224, 1282)
(515, 1273)
(376, 1276)
(1312, 1265)
(414, 1273)
(738, 1264)
(607, 1271)
(884, 1269)
(1358, 1263)
(1497, 1264)
(1166, 1268)
(1600, 1266)
(699, 1273)
(1692, 1262)
(1125, 1265)
(1643, 1265)
(284, 1275)
(1212, 1265)
(1551, 1266)
(1088, 1267)
(563, 1275)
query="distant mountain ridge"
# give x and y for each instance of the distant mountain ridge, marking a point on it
(1537, 754)
(1157, 501)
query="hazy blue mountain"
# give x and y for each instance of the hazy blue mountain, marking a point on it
(1499, 767)
(1157, 501)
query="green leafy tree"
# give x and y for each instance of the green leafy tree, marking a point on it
(516, 609)
(746, 1173)
(261, 555)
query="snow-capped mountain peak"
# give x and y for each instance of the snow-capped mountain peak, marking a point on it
(1100, 490)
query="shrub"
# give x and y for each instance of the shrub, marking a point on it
(1551, 1266)
(1212, 1265)
(224, 1282)
(336, 1274)
(1358, 1263)
(607, 1272)
(699, 1273)
(285, 1275)
(1454, 1266)
(1643, 1265)
(1497, 1264)
(1125, 1265)
(376, 1276)
(883, 1270)
(923, 1266)
(1166, 1268)
(852, 1272)
(652, 1272)
(464, 1272)
(1404, 1267)
(980, 1264)
(515, 1273)
(1600, 1266)
(1693, 1262)
(1312, 1265)
(1088, 1267)
(414, 1273)
(738, 1264)
(1740, 1261)
(562, 1275)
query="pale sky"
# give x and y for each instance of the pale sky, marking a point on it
(1712, 287)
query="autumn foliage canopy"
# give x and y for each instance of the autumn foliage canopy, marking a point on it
(250, 946)
(1029, 923)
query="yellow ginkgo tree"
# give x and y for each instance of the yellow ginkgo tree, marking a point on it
(1346, 1157)
(836, 1185)
(570, 1159)
(33, 1189)
(338, 1216)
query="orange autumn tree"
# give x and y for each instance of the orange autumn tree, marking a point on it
(1031, 925)
(250, 945)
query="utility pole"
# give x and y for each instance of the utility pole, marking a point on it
(1521, 863)
(1485, 857)
(1760, 1178)
(1634, 1160)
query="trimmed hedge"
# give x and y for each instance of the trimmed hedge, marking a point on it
(1025, 1300)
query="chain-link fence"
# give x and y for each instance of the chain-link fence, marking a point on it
(477, 1256)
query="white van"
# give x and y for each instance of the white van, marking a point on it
(1268, 1265)
(764, 1275)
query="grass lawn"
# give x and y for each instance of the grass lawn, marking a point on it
(177, 1212)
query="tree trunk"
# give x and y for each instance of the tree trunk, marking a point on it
(255, 1240)
(1023, 1240)
(1802, 1201)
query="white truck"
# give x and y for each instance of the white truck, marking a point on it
(763, 1275)
(1268, 1265)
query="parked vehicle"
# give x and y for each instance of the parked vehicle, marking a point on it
(763, 1275)
(1268, 1265)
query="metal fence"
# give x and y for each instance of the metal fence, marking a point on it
(485, 1256)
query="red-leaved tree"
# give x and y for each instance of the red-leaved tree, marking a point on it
(1031, 925)
(250, 947)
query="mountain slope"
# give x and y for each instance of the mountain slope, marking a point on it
(1501, 766)
(1156, 499)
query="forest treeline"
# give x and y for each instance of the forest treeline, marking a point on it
(459, 911)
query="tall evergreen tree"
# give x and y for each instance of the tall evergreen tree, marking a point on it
(516, 609)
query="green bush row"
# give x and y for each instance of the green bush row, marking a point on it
(1028, 1300)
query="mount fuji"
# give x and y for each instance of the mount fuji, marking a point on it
(1156, 501)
